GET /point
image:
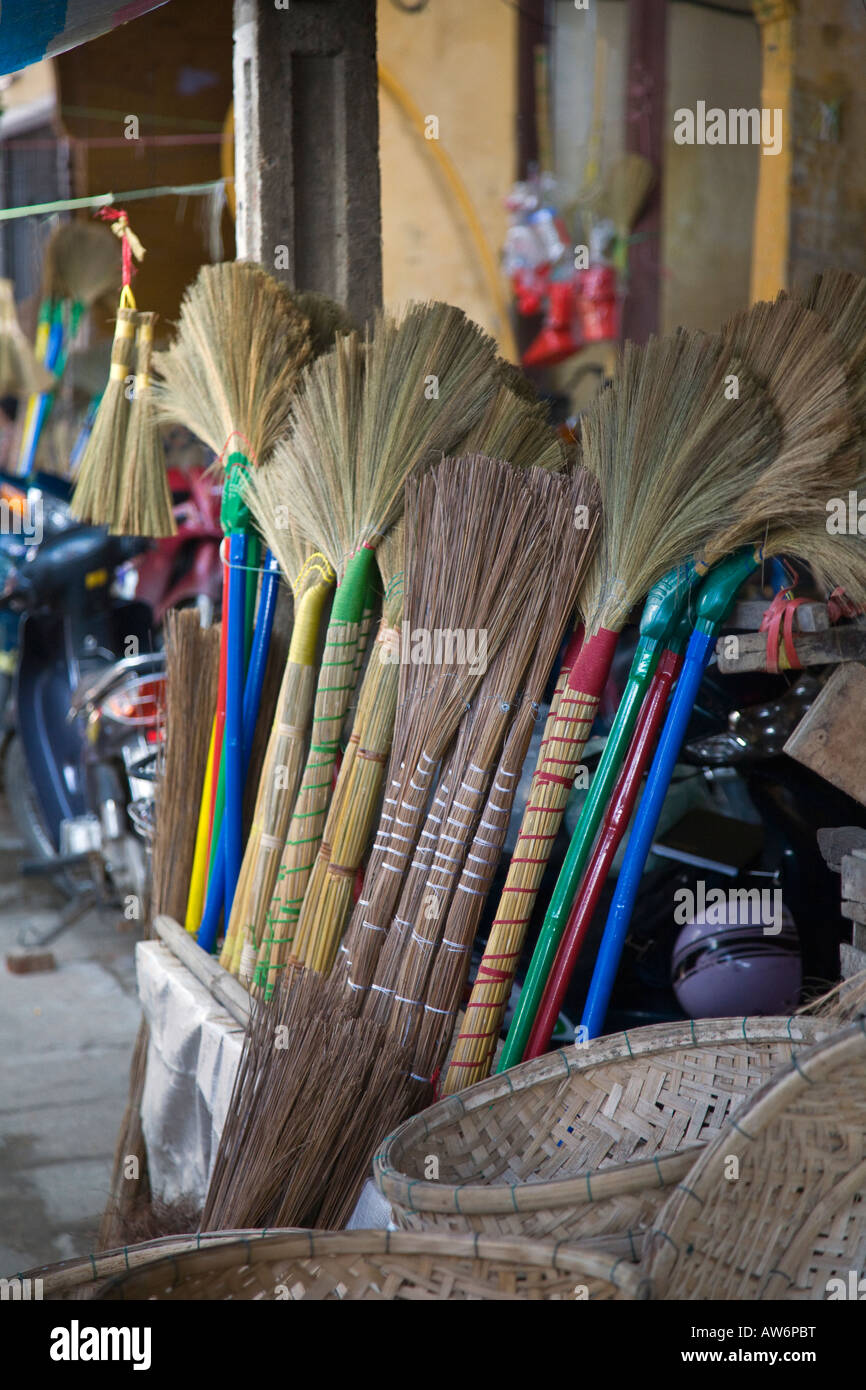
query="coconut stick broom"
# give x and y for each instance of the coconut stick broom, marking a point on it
(191, 670)
(349, 499)
(459, 516)
(538, 631)
(427, 889)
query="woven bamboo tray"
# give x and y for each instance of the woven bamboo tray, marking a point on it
(795, 1218)
(582, 1144)
(381, 1265)
(82, 1277)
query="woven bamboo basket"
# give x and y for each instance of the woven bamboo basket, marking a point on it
(83, 1277)
(793, 1219)
(582, 1144)
(382, 1265)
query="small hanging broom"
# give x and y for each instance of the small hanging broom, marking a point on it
(20, 373)
(145, 497)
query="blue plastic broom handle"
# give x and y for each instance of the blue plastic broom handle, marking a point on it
(643, 831)
(216, 896)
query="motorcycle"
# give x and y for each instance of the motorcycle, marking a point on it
(84, 716)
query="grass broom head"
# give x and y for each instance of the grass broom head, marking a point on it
(97, 492)
(82, 263)
(145, 506)
(233, 367)
(326, 318)
(192, 663)
(20, 373)
(370, 412)
(671, 453)
(798, 364)
(512, 428)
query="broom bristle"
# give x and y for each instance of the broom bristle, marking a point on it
(370, 412)
(192, 664)
(800, 366)
(97, 492)
(304, 1117)
(233, 366)
(512, 429)
(672, 454)
(82, 263)
(145, 505)
(326, 318)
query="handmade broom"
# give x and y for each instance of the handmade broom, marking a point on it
(426, 379)
(759, 335)
(413, 935)
(808, 410)
(20, 373)
(145, 506)
(191, 670)
(469, 873)
(82, 263)
(514, 426)
(328, 898)
(229, 377)
(465, 565)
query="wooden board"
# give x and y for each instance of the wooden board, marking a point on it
(829, 738)
(813, 649)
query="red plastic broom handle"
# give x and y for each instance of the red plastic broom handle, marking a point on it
(613, 827)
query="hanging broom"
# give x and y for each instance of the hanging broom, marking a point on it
(426, 379)
(20, 373)
(97, 492)
(81, 265)
(145, 497)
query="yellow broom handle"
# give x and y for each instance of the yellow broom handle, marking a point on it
(198, 877)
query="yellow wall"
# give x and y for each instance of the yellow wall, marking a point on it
(455, 60)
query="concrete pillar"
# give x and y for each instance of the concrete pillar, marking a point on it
(307, 145)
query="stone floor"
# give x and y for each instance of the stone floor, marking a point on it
(66, 1039)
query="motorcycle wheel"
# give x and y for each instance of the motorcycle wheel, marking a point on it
(27, 814)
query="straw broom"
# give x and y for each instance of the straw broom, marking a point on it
(229, 377)
(466, 569)
(514, 426)
(672, 454)
(145, 505)
(191, 665)
(329, 892)
(97, 490)
(20, 373)
(768, 338)
(563, 563)
(426, 379)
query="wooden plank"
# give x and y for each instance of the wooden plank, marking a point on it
(854, 912)
(739, 653)
(749, 614)
(836, 841)
(646, 134)
(829, 737)
(207, 969)
(854, 877)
